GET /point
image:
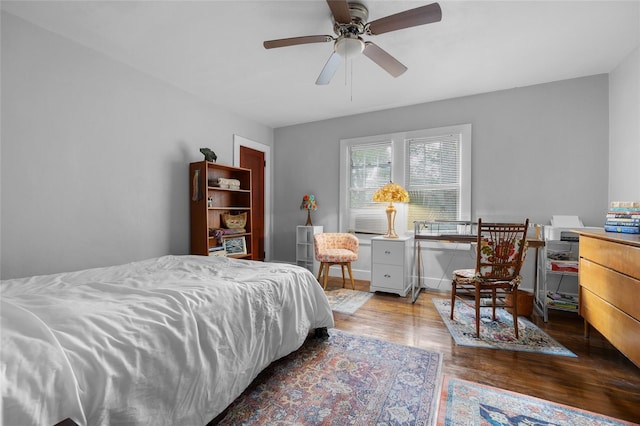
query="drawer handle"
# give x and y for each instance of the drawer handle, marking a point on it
(387, 276)
(387, 252)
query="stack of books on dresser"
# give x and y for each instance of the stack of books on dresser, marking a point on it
(623, 217)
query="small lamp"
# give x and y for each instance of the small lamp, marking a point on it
(308, 204)
(390, 193)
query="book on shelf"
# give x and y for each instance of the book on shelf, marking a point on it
(562, 300)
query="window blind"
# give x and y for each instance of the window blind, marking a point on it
(370, 170)
(433, 178)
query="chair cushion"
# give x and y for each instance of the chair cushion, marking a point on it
(336, 255)
(464, 275)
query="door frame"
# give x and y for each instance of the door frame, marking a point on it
(239, 141)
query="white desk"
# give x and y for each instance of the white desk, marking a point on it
(452, 232)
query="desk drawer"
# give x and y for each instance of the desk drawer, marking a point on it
(388, 253)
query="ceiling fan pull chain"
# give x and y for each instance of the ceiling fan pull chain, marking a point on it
(346, 70)
(351, 90)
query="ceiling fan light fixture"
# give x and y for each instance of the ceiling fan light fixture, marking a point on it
(348, 47)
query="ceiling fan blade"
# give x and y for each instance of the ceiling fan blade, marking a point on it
(382, 58)
(283, 42)
(340, 11)
(329, 69)
(409, 18)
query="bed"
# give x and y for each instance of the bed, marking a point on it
(165, 341)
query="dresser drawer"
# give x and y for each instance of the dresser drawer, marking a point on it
(388, 277)
(388, 253)
(617, 289)
(619, 328)
(621, 257)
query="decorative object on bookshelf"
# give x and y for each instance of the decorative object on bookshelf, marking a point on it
(228, 183)
(234, 221)
(308, 204)
(217, 251)
(390, 193)
(197, 191)
(623, 217)
(235, 245)
(209, 155)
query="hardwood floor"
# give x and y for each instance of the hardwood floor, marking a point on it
(600, 379)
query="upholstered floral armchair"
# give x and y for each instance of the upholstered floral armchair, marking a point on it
(335, 249)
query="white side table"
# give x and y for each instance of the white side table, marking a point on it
(391, 265)
(305, 252)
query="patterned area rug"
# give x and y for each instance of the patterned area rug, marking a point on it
(347, 379)
(496, 334)
(468, 403)
(346, 301)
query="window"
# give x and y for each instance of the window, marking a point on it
(434, 165)
(370, 168)
(433, 178)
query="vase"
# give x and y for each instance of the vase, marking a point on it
(308, 219)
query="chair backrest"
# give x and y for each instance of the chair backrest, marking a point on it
(335, 240)
(501, 249)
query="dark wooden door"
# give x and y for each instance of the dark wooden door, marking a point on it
(254, 160)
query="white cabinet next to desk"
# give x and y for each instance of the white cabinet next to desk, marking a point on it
(391, 265)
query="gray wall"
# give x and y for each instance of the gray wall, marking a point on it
(624, 151)
(536, 151)
(95, 156)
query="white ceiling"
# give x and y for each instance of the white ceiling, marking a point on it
(213, 49)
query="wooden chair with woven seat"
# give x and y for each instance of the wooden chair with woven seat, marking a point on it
(335, 248)
(501, 249)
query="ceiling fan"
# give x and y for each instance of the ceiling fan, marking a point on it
(350, 23)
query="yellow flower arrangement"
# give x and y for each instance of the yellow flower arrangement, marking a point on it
(391, 192)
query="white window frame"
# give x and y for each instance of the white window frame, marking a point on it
(398, 143)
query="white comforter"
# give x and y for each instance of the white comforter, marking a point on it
(170, 341)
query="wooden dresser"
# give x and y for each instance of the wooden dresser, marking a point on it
(609, 288)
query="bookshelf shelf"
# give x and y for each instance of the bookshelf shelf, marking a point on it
(558, 270)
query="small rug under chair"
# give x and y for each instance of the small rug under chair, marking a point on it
(468, 403)
(346, 379)
(496, 334)
(345, 300)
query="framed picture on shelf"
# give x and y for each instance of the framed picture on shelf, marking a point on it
(234, 246)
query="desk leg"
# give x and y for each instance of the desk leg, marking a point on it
(418, 256)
